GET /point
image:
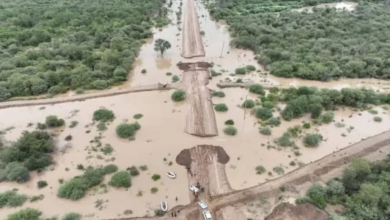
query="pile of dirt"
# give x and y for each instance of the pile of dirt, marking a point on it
(188, 66)
(184, 157)
(287, 211)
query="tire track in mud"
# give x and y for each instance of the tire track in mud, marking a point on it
(192, 40)
(200, 119)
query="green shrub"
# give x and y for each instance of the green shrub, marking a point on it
(284, 140)
(202, 33)
(111, 168)
(126, 130)
(317, 195)
(120, 179)
(73, 124)
(41, 126)
(15, 171)
(248, 104)
(36, 198)
(156, 177)
(240, 71)
(327, 117)
(230, 130)
(168, 73)
(159, 212)
(133, 171)
(250, 68)
(260, 170)
(101, 126)
(154, 190)
(178, 95)
(12, 199)
(267, 104)
(221, 107)
(377, 119)
(214, 73)
(265, 130)
(103, 115)
(137, 116)
(274, 121)
(278, 170)
(53, 121)
(107, 149)
(302, 200)
(219, 94)
(312, 140)
(229, 122)
(76, 187)
(175, 78)
(143, 168)
(316, 110)
(41, 184)
(257, 89)
(25, 214)
(72, 216)
(306, 125)
(263, 113)
(68, 138)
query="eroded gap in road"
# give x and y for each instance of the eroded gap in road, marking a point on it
(206, 166)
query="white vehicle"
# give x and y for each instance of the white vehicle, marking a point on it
(207, 215)
(202, 204)
(194, 189)
(164, 206)
(171, 174)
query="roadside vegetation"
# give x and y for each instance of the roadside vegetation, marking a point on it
(59, 46)
(363, 190)
(322, 50)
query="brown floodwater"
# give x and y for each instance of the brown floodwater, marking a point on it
(162, 135)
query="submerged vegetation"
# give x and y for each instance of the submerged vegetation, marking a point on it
(323, 49)
(30, 152)
(56, 46)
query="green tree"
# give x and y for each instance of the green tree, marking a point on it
(263, 113)
(161, 45)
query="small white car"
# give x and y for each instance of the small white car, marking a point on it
(194, 189)
(207, 215)
(202, 204)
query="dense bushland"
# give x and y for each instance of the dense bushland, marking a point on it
(54, 46)
(324, 45)
(363, 190)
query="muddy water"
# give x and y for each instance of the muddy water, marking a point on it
(162, 136)
(348, 6)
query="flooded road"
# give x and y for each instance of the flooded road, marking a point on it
(162, 136)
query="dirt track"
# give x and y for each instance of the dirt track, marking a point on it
(200, 116)
(314, 171)
(82, 97)
(192, 41)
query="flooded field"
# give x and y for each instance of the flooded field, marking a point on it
(162, 135)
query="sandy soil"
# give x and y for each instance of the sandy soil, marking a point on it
(286, 211)
(192, 41)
